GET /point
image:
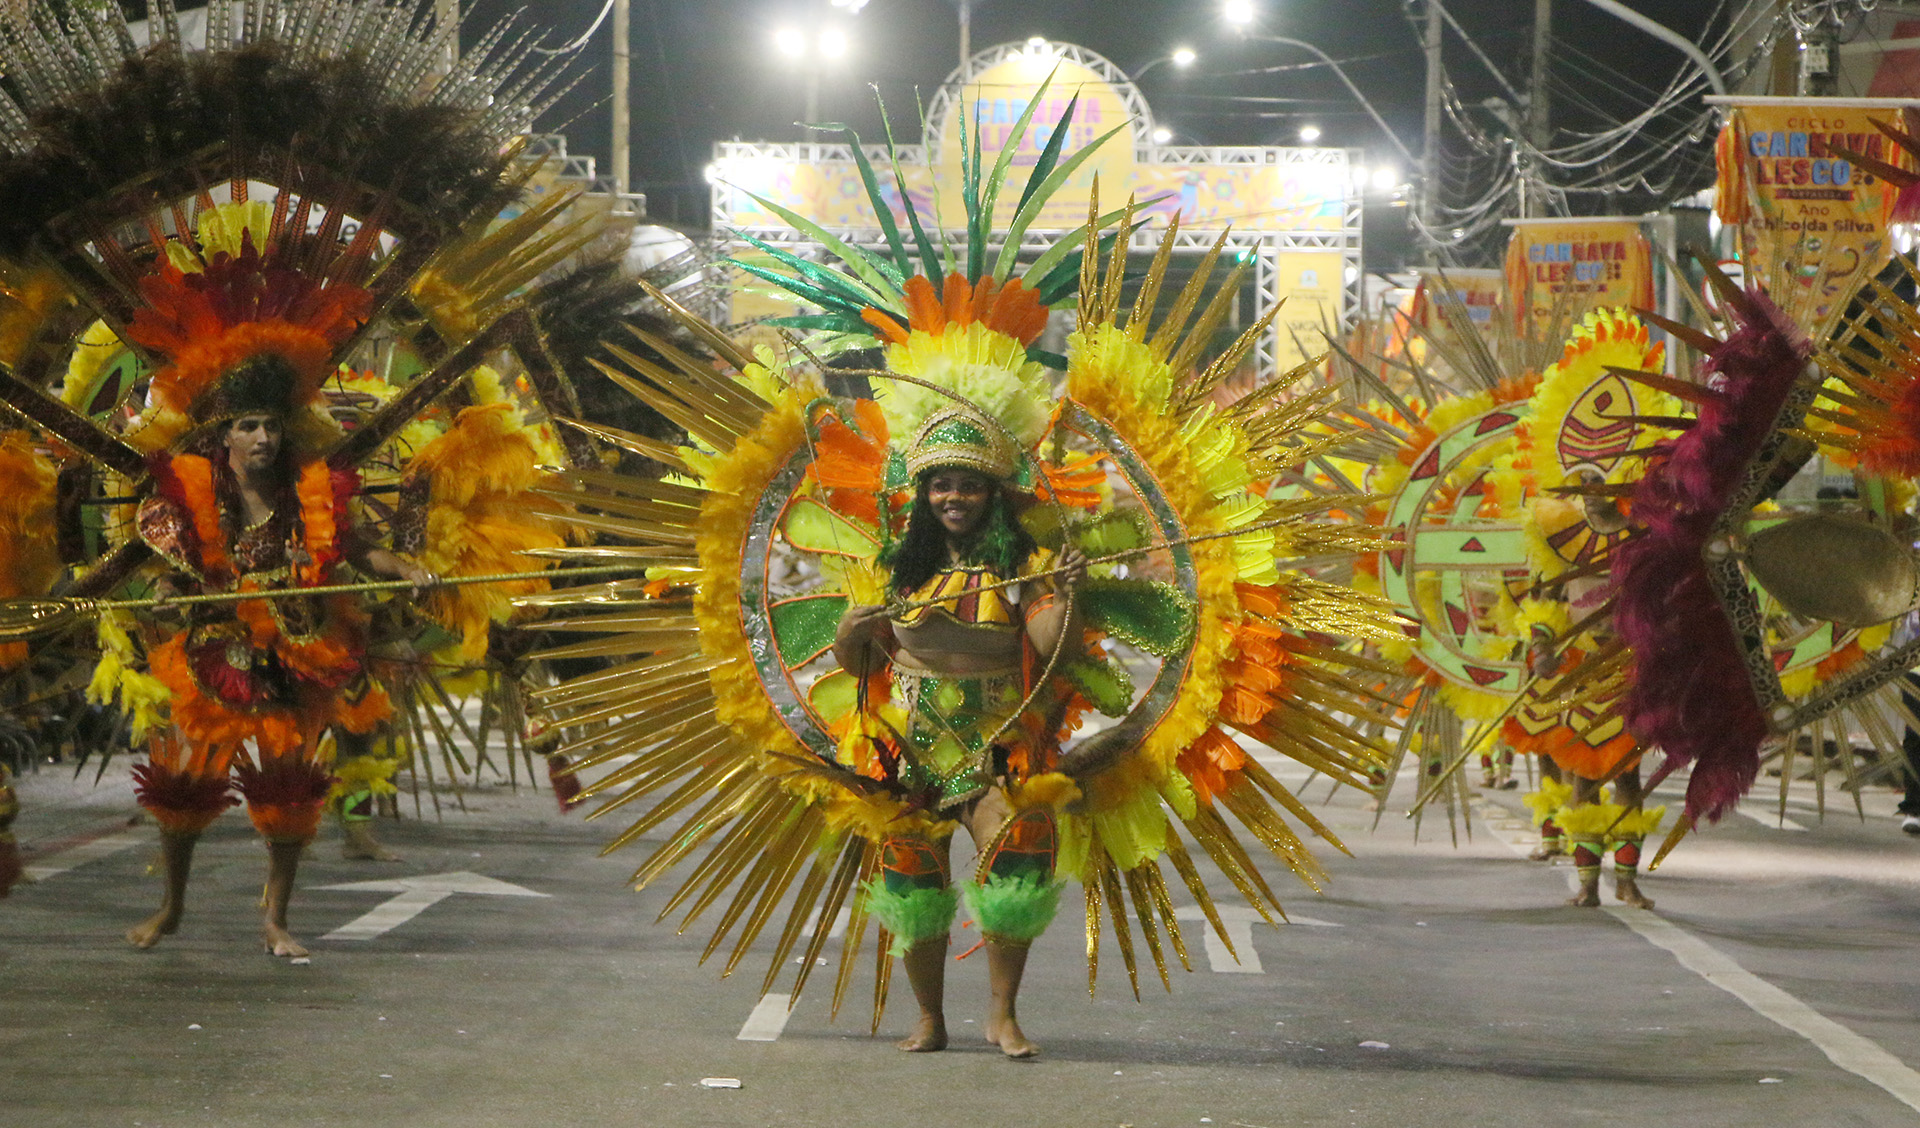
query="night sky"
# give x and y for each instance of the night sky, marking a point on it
(704, 70)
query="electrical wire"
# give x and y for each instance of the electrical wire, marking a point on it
(585, 36)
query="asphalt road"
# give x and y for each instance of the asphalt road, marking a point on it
(1777, 982)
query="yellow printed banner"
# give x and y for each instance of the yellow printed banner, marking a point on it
(1575, 265)
(1812, 223)
(1481, 292)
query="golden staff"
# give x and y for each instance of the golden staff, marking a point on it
(1127, 554)
(25, 618)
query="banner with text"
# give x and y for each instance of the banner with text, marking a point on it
(1574, 265)
(1812, 223)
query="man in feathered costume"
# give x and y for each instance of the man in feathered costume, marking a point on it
(247, 505)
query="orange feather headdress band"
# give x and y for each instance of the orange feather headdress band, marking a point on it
(245, 335)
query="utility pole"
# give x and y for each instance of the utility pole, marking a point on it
(622, 124)
(1539, 128)
(1820, 53)
(1430, 151)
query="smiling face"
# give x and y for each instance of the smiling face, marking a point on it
(253, 443)
(959, 498)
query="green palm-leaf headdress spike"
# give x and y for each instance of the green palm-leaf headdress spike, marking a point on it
(857, 282)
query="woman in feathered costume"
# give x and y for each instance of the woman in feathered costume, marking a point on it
(829, 735)
(246, 506)
(242, 309)
(961, 653)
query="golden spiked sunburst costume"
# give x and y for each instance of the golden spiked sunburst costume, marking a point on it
(1744, 628)
(840, 787)
(1584, 427)
(273, 306)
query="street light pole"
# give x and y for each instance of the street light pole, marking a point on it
(1539, 127)
(1430, 149)
(622, 125)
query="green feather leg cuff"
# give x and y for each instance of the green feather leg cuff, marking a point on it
(1013, 910)
(912, 917)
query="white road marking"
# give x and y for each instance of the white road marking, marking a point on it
(1239, 920)
(768, 1019)
(1846, 1049)
(60, 861)
(1842, 1046)
(412, 895)
(1769, 819)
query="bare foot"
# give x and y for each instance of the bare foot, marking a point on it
(930, 1036)
(1545, 853)
(359, 845)
(1628, 889)
(1587, 898)
(280, 942)
(1006, 1034)
(149, 931)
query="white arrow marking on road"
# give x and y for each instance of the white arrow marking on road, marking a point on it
(52, 865)
(413, 894)
(1239, 920)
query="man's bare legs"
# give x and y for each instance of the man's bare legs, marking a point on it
(176, 860)
(283, 860)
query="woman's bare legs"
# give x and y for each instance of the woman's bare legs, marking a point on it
(283, 860)
(1005, 965)
(176, 858)
(926, 964)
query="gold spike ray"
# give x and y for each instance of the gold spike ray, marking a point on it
(1109, 878)
(1092, 889)
(1143, 911)
(1116, 265)
(882, 976)
(846, 872)
(1200, 337)
(781, 862)
(1264, 780)
(645, 531)
(748, 400)
(856, 932)
(641, 445)
(1190, 875)
(701, 390)
(1168, 333)
(766, 809)
(618, 646)
(653, 512)
(722, 804)
(651, 489)
(818, 869)
(705, 427)
(1090, 259)
(722, 345)
(1149, 292)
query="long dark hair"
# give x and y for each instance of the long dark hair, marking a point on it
(1000, 543)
